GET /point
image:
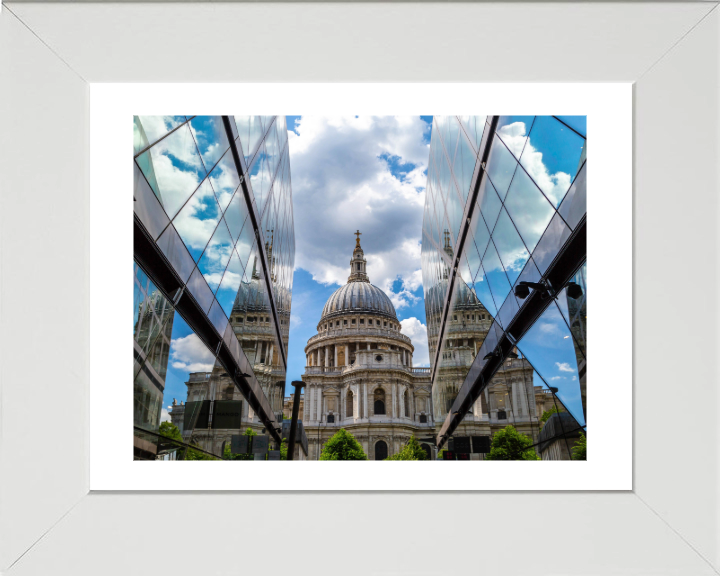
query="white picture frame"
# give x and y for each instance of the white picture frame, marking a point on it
(51, 53)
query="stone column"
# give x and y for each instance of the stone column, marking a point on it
(401, 399)
(341, 411)
(368, 345)
(393, 413)
(365, 396)
(347, 355)
(270, 355)
(319, 402)
(410, 362)
(336, 348)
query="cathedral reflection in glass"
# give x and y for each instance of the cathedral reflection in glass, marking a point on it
(504, 274)
(214, 251)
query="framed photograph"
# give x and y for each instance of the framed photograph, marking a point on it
(317, 164)
(454, 327)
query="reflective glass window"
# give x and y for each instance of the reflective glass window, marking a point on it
(530, 210)
(173, 168)
(552, 157)
(500, 167)
(197, 220)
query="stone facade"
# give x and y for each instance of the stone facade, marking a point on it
(360, 376)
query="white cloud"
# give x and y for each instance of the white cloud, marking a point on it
(165, 415)
(417, 332)
(554, 185)
(341, 184)
(190, 354)
(295, 320)
(558, 378)
(564, 367)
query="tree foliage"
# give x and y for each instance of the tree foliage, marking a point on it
(169, 430)
(546, 415)
(411, 451)
(509, 444)
(579, 451)
(343, 446)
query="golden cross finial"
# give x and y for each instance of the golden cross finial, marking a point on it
(357, 242)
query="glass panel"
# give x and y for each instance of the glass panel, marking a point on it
(578, 123)
(149, 129)
(199, 289)
(500, 167)
(490, 204)
(480, 231)
(211, 138)
(464, 166)
(548, 345)
(497, 279)
(224, 179)
(529, 209)
(250, 132)
(550, 243)
(482, 289)
(513, 131)
(198, 219)
(216, 256)
(236, 214)
(230, 284)
(511, 249)
(551, 157)
(574, 205)
(176, 252)
(173, 169)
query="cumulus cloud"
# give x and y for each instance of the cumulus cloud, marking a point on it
(564, 367)
(417, 332)
(342, 181)
(554, 185)
(190, 354)
(165, 415)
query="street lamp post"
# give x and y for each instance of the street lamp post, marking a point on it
(299, 385)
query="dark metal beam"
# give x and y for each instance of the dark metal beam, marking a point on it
(158, 268)
(255, 219)
(561, 270)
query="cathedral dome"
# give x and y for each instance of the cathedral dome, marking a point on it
(358, 297)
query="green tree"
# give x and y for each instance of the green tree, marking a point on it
(196, 454)
(228, 455)
(169, 430)
(509, 444)
(342, 446)
(411, 451)
(546, 415)
(579, 451)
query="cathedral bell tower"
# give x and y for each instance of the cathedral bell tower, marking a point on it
(358, 273)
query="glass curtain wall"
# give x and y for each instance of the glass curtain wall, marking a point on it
(214, 226)
(504, 196)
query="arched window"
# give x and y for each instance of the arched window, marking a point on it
(349, 404)
(427, 450)
(358, 265)
(379, 401)
(423, 419)
(381, 450)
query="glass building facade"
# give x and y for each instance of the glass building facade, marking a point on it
(504, 268)
(214, 251)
